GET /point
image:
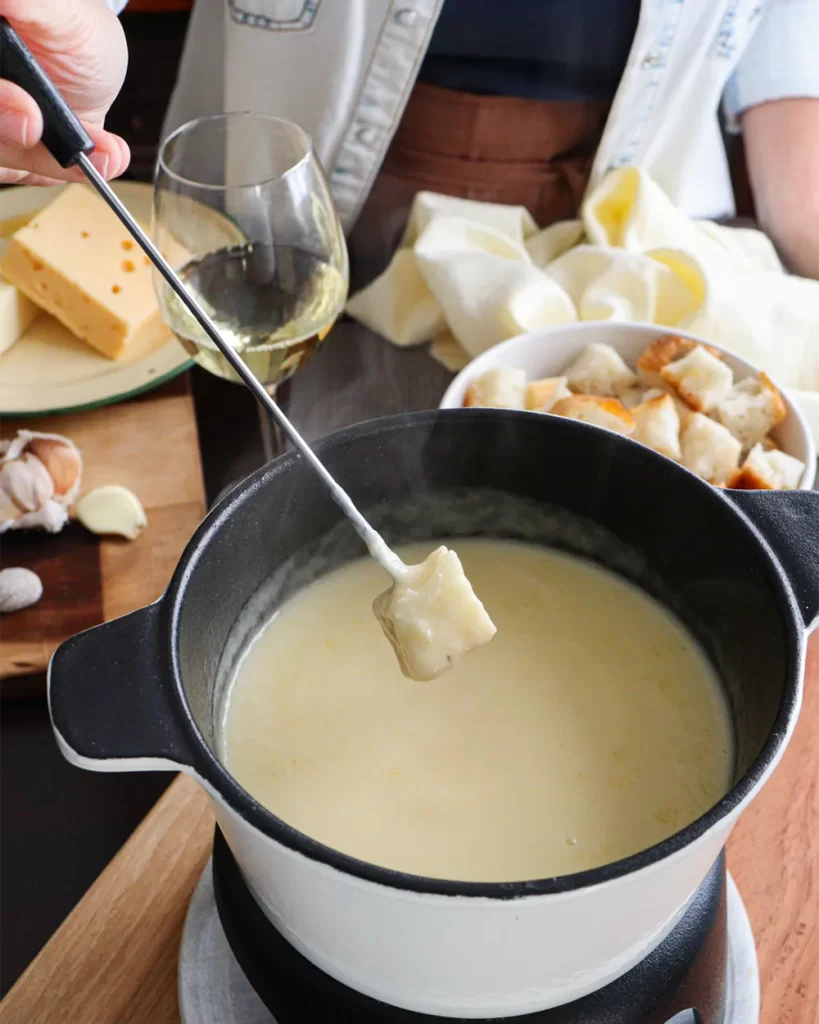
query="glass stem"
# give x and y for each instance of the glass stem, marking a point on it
(272, 440)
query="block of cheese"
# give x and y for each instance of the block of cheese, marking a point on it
(16, 313)
(77, 261)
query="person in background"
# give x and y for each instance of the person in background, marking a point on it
(517, 102)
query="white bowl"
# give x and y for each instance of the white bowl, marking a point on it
(547, 353)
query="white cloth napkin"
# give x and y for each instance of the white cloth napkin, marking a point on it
(469, 275)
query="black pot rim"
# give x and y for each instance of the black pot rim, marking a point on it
(206, 765)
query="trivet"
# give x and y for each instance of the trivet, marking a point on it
(214, 990)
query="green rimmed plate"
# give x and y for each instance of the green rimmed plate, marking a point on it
(49, 370)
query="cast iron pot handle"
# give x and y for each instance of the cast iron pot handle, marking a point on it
(789, 522)
(109, 698)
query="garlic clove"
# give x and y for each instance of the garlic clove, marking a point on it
(26, 482)
(19, 588)
(62, 461)
(112, 509)
(8, 510)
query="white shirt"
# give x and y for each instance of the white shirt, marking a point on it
(344, 69)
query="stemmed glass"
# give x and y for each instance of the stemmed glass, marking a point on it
(243, 213)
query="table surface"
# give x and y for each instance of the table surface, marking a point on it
(61, 826)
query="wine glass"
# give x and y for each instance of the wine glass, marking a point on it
(243, 213)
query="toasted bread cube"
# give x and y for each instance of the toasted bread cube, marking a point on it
(658, 426)
(709, 449)
(603, 412)
(632, 397)
(751, 409)
(660, 353)
(700, 379)
(599, 370)
(769, 471)
(770, 444)
(541, 395)
(504, 388)
(433, 617)
(684, 411)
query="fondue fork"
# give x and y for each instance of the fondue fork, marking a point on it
(69, 143)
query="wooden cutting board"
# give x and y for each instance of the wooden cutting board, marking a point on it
(148, 444)
(113, 960)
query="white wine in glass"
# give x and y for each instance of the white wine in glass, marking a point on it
(243, 212)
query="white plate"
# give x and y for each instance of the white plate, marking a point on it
(547, 353)
(49, 370)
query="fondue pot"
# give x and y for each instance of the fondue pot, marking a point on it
(741, 569)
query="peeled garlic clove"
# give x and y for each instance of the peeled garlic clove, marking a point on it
(61, 459)
(19, 588)
(112, 509)
(27, 482)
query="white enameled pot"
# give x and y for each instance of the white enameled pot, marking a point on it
(144, 692)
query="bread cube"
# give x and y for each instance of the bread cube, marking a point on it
(603, 412)
(700, 379)
(660, 353)
(632, 397)
(751, 409)
(658, 426)
(684, 411)
(771, 470)
(504, 388)
(541, 395)
(433, 617)
(599, 370)
(709, 449)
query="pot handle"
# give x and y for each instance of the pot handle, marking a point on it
(109, 697)
(789, 522)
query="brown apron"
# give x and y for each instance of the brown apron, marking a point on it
(497, 149)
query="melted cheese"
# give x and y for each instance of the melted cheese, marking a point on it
(590, 728)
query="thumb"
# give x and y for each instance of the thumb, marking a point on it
(44, 21)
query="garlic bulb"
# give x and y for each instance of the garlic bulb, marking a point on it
(39, 478)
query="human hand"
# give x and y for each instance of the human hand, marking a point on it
(81, 47)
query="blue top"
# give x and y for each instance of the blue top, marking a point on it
(536, 49)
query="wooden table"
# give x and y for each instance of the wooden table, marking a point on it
(123, 970)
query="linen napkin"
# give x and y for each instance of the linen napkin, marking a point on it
(469, 275)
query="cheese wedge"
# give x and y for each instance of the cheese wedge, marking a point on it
(77, 261)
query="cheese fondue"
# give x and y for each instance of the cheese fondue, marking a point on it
(590, 728)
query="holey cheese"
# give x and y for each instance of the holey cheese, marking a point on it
(77, 261)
